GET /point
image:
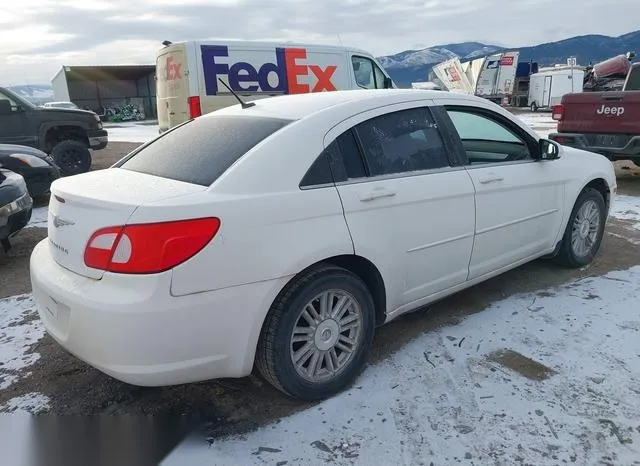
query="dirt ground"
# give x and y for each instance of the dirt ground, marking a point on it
(236, 405)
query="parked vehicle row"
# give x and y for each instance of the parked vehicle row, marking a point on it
(281, 234)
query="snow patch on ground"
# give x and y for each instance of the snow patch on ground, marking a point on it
(132, 132)
(20, 328)
(541, 123)
(32, 403)
(468, 394)
(627, 208)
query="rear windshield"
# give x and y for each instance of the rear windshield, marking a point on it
(201, 150)
(633, 82)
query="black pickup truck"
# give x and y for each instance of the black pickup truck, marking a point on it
(66, 135)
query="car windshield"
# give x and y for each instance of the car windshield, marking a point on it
(201, 150)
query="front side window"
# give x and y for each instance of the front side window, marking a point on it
(486, 140)
(368, 74)
(403, 141)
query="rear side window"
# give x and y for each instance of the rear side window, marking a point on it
(201, 150)
(402, 141)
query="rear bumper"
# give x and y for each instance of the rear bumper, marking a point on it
(98, 139)
(15, 216)
(629, 148)
(132, 329)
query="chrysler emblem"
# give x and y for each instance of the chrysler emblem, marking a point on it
(59, 222)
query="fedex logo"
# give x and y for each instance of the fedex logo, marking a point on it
(244, 77)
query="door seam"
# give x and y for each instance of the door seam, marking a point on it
(475, 222)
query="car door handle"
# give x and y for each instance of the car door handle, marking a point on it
(377, 194)
(495, 179)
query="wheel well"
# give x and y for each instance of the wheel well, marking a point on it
(602, 187)
(63, 133)
(370, 275)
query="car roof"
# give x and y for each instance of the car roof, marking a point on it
(298, 106)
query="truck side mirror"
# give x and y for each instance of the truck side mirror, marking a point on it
(388, 83)
(5, 107)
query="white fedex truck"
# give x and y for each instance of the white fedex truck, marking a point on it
(188, 74)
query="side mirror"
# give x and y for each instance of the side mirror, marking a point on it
(388, 83)
(548, 150)
(5, 107)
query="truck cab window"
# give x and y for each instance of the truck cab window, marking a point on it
(633, 80)
(14, 106)
(368, 74)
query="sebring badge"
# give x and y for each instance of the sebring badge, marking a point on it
(59, 222)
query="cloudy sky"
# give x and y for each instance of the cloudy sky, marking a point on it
(39, 36)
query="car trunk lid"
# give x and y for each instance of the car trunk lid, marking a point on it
(81, 205)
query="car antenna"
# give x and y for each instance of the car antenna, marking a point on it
(242, 102)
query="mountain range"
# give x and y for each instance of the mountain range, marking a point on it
(414, 65)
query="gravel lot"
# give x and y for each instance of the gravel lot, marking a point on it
(50, 380)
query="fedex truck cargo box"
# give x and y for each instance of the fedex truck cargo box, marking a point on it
(188, 74)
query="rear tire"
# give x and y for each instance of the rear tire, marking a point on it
(72, 157)
(318, 334)
(585, 228)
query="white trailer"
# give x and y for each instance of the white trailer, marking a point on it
(547, 86)
(497, 76)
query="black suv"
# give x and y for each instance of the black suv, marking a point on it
(65, 134)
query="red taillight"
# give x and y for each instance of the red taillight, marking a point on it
(148, 248)
(194, 107)
(557, 112)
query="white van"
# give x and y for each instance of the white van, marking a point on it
(188, 74)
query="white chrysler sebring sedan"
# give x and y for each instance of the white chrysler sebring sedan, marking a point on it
(280, 235)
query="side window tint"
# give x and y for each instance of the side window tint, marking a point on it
(319, 173)
(351, 157)
(486, 140)
(340, 161)
(403, 141)
(363, 70)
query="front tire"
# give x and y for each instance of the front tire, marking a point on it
(583, 235)
(73, 157)
(318, 334)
